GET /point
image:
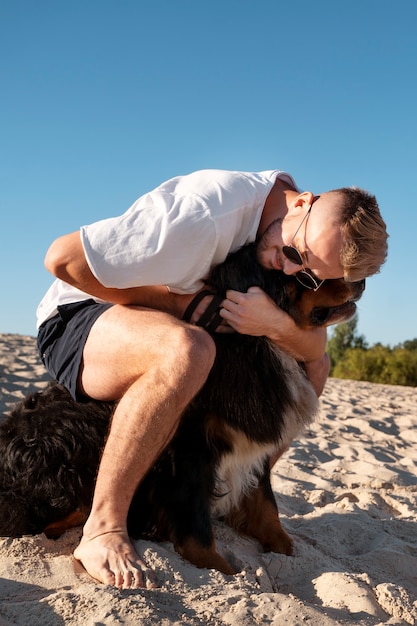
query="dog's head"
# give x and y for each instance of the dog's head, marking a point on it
(333, 303)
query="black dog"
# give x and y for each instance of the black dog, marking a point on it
(255, 401)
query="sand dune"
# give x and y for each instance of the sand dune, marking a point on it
(347, 492)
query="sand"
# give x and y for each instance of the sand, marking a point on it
(346, 490)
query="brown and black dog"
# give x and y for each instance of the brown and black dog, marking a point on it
(255, 401)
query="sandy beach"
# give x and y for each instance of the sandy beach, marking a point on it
(346, 491)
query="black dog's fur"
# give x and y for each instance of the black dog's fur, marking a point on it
(254, 402)
(50, 449)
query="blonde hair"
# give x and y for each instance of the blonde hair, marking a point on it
(364, 233)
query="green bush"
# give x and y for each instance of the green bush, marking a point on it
(379, 364)
(352, 358)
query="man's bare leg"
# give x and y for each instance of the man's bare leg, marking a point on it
(153, 365)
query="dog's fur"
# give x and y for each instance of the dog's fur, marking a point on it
(255, 401)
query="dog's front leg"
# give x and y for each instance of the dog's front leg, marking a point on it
(202, 556)
(257, 516)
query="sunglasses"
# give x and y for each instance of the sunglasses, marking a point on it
(304, 276)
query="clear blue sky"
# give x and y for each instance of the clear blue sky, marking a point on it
(102, 100)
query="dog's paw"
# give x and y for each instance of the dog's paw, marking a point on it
(281, 543)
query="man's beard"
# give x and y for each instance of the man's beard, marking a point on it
(266, 240)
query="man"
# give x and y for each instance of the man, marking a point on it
(111, 329)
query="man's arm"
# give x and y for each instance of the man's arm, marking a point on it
(66, 260)
(253, 313)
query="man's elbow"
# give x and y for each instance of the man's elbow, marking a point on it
(56, 262)
(63, 256)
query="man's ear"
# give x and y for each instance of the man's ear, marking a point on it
(304, 200)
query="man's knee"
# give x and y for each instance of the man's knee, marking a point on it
(194, 351)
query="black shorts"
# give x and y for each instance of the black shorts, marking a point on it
(61, 341)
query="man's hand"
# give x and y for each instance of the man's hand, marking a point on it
(253, 313)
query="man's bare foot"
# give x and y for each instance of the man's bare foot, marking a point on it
(111, 559)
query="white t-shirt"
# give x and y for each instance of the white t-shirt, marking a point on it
(172, 235)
